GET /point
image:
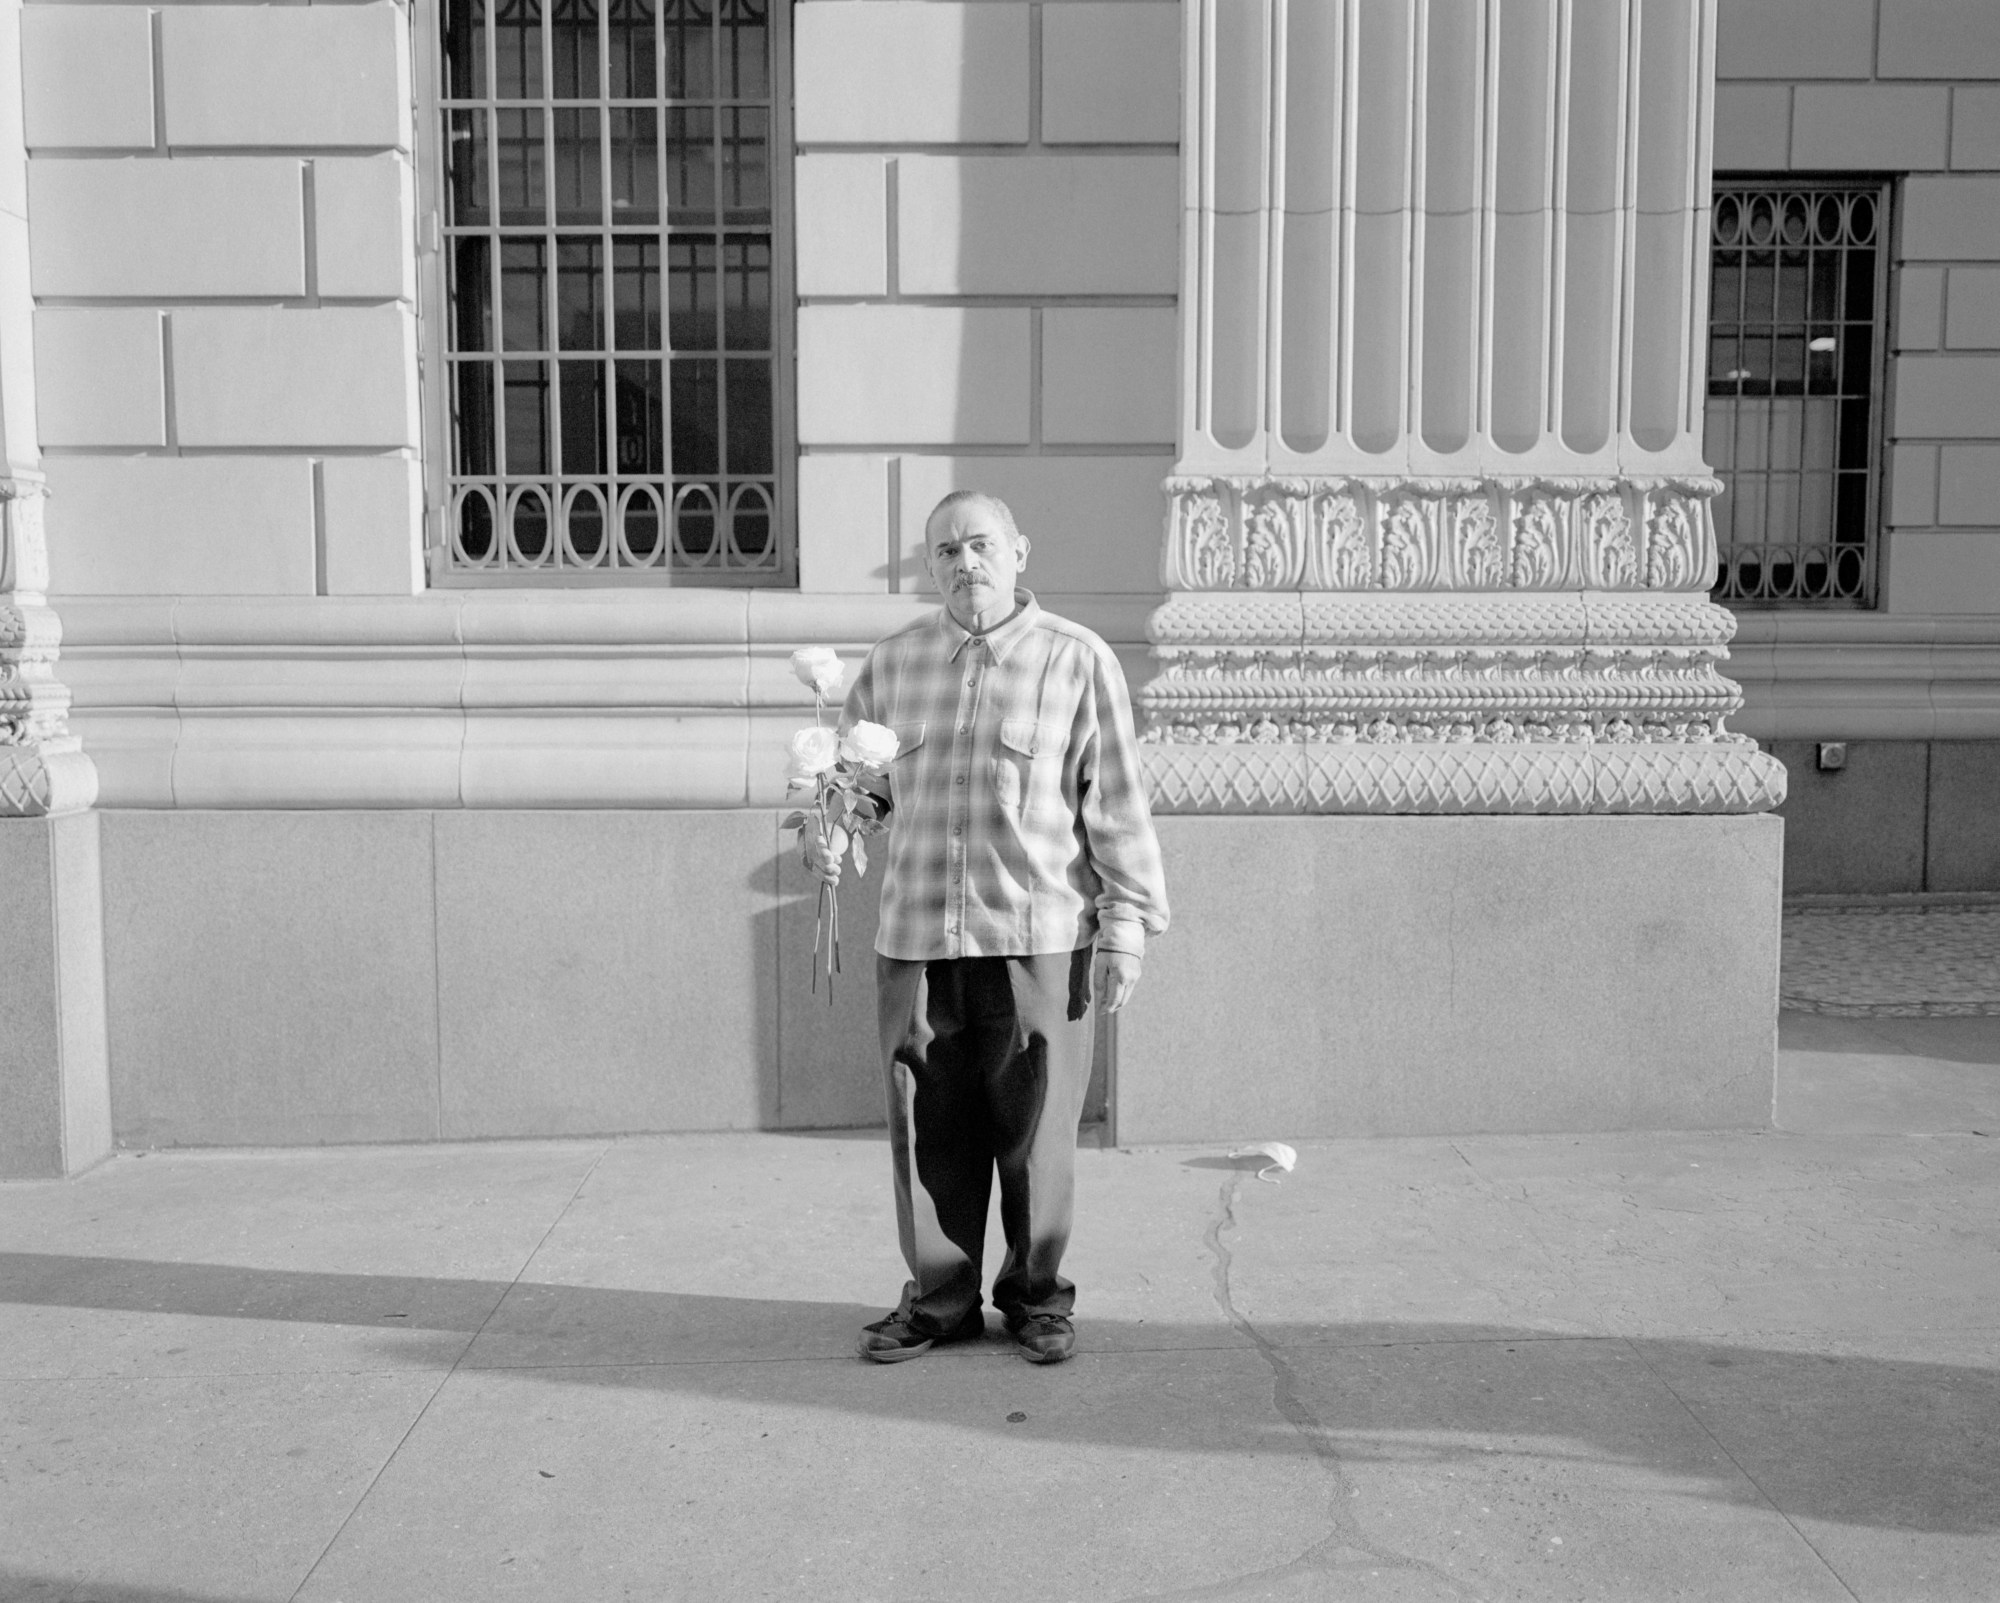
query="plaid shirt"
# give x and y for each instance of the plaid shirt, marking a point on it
(1020, 823)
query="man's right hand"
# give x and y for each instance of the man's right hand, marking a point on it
(823, 860)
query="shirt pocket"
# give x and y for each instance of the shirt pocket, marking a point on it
(1030, 755)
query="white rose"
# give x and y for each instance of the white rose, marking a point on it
(814, 751)
(870, 746)
(819, 670)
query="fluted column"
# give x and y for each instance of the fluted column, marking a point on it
(43, 769)
(1438, 538)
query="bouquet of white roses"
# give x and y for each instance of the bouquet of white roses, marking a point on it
(844, 811)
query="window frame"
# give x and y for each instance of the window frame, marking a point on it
(1886, 190)
(433, 370)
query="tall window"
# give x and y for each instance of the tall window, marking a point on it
(1796, 317)
(613, 286)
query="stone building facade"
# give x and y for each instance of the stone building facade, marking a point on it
(1349, 364)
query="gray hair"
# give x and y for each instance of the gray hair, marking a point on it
(959, 497)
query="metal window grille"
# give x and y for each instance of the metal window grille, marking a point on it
(613, 288)
(1796, 336)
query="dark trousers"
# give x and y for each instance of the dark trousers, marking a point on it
(987, 1061)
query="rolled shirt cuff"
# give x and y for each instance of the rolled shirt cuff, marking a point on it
(1125, 935)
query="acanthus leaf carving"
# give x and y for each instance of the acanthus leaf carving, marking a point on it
(1209, 556)
(1405, 536)
(1537, 562)
(1614, 564)
(1402, 532)
(1343, 543)
(1268, 545)
(1475, 542)
(1673, 546)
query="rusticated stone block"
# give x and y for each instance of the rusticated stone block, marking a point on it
(1108, 375)
(898, 72)
(268, 376)
(913, 375)
(1111, 73)
(187, 525)
(98, 376)
(1897, 127)
(87, 76)
(1039, 225)
(285, 75)
(206, 226)
(361, 227)
(1793, 39)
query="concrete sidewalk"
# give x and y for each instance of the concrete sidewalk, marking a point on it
(1758, 1366)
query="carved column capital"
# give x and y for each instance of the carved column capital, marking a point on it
(1406, 532)
(1434, 644)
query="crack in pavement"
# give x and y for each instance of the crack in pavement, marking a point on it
(1347, 1546)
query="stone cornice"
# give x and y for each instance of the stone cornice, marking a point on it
(631, 701)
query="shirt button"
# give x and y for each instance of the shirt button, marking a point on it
(961, 779)
(958, 829)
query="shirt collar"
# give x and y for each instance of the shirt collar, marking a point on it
(1001, 638)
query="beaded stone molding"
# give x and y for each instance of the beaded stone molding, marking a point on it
(1466, 646)
(43, 767)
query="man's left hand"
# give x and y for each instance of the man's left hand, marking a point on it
(1113, 978)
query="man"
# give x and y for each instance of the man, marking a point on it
(1019, 842)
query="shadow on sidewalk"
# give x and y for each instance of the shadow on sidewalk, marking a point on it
(1883, 1443)
(26, 1586)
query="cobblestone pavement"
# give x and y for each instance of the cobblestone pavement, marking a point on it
(1893, 958)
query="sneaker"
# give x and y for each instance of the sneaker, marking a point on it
(1043, 1338)
(891, 1340)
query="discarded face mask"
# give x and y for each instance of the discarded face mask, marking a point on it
(1283, 1159)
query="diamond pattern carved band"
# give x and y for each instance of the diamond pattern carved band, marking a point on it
(1726, 777)
(1487, 534)
(50, 776)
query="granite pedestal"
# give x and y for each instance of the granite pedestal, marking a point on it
(55, 1103)
(1370, 975)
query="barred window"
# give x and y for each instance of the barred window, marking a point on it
(1796, 335)
(614, 291)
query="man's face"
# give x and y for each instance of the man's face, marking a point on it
(974, 562)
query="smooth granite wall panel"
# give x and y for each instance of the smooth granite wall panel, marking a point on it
(1963, 844)
(832, 1069)
(30, 1005)
(606, 971)
(1354, 976)
(270, 977)
(86, 1077)
(1858, 830)
(55, 1116)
